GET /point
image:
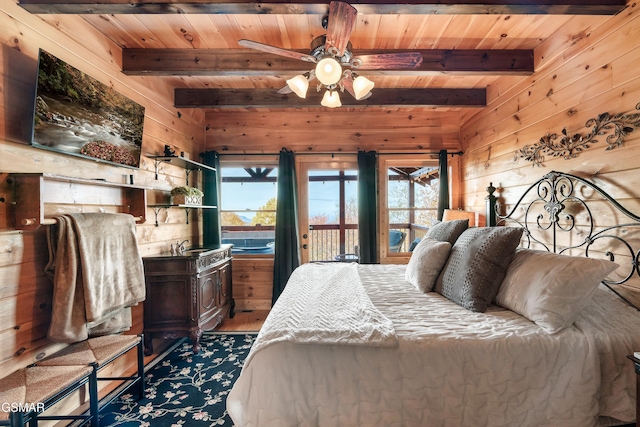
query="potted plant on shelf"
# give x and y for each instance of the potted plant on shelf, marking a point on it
(186, 196)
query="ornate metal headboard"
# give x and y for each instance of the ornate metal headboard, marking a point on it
(566, 214)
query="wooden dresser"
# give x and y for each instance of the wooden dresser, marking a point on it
(187, 294)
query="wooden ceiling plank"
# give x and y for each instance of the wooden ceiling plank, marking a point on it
(415, 33)
(110, 24)
(284, 31)
(243, 62)
(266, 25)
(431, 36)
(440, 7)
(158, 30)
(405, 32)
(268, 98)
(208, 31)
(133, 28)
(390, 30)
(455, 31)
(477, 31)
(231, 27)
(504, 31)
(185, 32)
(367, 25)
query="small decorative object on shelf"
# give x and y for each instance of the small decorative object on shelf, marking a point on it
(168, 151)
(186, 196)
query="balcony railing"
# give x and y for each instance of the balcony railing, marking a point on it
(326, 241)
(326, 244)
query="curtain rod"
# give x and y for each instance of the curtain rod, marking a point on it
(432, 153)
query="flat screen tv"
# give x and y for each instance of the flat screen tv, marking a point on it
(78, 115)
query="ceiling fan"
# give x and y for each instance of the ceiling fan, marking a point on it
(336, 66)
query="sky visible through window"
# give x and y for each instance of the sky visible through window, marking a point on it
(242, 198)
(323, 196)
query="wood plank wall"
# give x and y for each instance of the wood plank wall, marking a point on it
(25, 293)
(332, 131)
(577, 79)
(582, 72)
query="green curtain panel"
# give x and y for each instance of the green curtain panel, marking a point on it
(212, 183)
(287, 255)
(368, 206)
(443, 197)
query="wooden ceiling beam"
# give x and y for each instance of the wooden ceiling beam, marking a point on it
(245, 62)
(269, 98)
(407, 7)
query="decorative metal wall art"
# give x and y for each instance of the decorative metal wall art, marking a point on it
(569, 146)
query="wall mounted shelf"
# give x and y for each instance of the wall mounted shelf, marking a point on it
(187, 208)
(187, 164)
(34, 190)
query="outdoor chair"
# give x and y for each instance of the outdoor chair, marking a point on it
(396, 238)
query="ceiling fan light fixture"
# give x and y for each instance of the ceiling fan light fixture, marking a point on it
(331, 99)
(299, 85)
(328, 71)
(335, 63)
(362, 86)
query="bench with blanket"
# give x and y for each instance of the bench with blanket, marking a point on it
(98, 276)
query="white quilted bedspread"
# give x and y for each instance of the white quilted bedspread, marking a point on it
(328, 305)
(451, 367)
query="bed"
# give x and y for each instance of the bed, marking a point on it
(407, 345)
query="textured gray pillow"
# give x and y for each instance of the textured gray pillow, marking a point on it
(447, 231)
(425, 264)
(477, 265)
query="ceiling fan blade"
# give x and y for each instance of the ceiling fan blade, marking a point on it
(342, 20)
(276, 50)
(387, 61)
(284, 90)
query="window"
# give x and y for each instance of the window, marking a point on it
(248, 207)
(411, 190)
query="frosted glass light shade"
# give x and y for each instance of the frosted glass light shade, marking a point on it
(299, 85)
(331, 99)
(362, 86)
(328, 71)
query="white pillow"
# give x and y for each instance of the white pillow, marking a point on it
(551, 289)
(427, 259)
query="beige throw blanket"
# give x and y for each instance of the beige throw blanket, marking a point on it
(97, 273)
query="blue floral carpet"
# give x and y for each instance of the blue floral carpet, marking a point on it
(186, 389)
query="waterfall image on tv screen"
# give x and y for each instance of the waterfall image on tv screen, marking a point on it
(76, 114)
